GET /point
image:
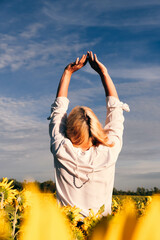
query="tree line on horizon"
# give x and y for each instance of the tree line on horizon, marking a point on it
(50, 186)
(140, 191)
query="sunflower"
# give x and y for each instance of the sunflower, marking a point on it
(7, 193)
(73, 214)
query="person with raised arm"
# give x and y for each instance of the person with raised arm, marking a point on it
(84, 152)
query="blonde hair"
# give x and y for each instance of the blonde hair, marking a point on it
(83, 127)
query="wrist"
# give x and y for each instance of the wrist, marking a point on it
(103, 73)
(67, 72)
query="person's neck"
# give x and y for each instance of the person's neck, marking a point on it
(84, 147)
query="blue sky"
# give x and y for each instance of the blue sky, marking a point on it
(38, 39)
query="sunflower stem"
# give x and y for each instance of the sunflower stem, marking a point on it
(15, 221)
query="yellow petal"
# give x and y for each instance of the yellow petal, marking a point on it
(121, 227)
(148, 226)
(44, 220)
(5, 228)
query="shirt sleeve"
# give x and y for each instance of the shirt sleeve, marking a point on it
(114, 121)
(57, 124)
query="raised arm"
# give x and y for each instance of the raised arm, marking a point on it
(66, 76)
(107, 82)
(59, 108)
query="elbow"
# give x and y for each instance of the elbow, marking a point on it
(54, 148)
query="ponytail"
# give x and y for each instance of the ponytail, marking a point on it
(83, 126)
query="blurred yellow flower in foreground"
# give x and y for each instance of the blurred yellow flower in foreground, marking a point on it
(126, 225)
(148, 226)
(120, 227)
(43, 219)
(5, 229)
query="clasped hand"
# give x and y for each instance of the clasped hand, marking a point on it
(93, 61)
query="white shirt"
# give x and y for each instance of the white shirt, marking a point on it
(85, 178)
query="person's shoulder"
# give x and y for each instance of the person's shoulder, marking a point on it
(67, 144)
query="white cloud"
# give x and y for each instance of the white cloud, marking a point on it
(139, 159)
(149, 73)
(32, 30)
(90, 13)
(16, 53)
(24, 143)
(88, 69)
(85, 96)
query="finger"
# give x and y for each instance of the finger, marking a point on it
(88, 54)
(77, 60)
(85, 59)
(95, 57)
(91, 56)
(82, 58)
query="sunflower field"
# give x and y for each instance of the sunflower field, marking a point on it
(30, 214)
